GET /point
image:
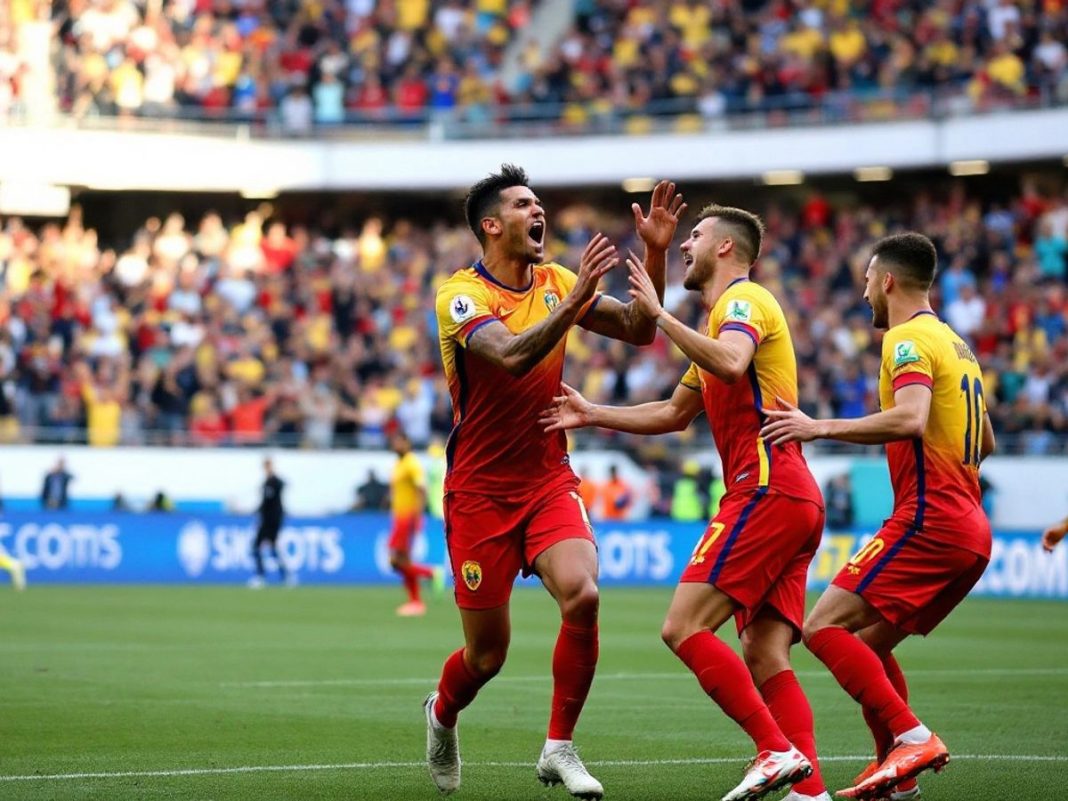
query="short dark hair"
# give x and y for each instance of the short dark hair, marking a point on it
(911, 257)
(484, 196)
(747, 229)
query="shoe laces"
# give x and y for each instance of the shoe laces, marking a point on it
(569, 757)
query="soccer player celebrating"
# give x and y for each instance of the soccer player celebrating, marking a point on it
(407, 501)
(753, 559)
(936, 543)
(511, 498)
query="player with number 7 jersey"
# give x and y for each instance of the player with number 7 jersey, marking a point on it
(936, 543)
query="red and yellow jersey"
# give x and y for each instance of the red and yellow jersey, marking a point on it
(497, 445)
(407, 486)
(734, 410)
(936, 477)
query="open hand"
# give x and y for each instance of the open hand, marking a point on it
(642, 289)
(1052, 535)
(598, 258)
(666, 208)
(788, 424)
(569, 410)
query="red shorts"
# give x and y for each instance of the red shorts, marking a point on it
(913, 579)
(405, 527)
(492, 539)
(757, 550)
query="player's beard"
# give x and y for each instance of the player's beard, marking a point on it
(880, 314)
(695, 277)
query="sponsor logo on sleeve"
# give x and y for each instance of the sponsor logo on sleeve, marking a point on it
(462, 309)
(740, 311)
(905, 353)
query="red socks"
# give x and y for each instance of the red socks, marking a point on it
(862, 674)
(410, 575)
(725, 679)
(574, 662)
(884, 740)
(788, 704)
(457, 688)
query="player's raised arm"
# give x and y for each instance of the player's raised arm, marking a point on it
(907, 420)
(571, 410)
(627, 321)
(727, 357)
(519, 353)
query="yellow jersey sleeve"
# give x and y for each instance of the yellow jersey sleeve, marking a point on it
(463, 306)
(908, 357)
(746, 309)
(691, 379)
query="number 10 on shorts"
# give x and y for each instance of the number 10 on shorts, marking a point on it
(706, 542)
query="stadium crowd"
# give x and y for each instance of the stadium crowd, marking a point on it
(321, 63)
(240, 332)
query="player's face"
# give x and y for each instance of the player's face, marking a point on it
(699, 254)
(876, 296)
(522, 220)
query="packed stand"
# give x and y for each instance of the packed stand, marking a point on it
(318, 63)
(211, 332)
(843, 60)
(313, 62)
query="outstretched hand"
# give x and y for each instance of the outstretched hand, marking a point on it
(666, 208)
(598, 258)
(642, 289)
(1053, 535)
(569, 410)
(788, 424)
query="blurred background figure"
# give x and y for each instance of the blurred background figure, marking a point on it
(54, 494)
(687, 503)
(271, 514)
(617, 495)
(372, 495)
(838, 500)
(14, 568)
(407, 501)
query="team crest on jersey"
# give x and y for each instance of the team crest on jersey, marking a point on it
(740, 310)
(551, 300)
(905, 353)
(472, 573)
(462, 308)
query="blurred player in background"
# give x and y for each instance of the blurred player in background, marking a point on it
(407, 502)
(512, 501)
(14, 567)
(936, 543)
(1054, 534)
(753, 560)
(271, 514)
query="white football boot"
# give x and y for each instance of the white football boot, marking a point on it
(442, 750)
(770, 771)
(563, 766)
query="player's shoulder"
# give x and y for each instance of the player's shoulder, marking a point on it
(555, 273)
(463, 279)
(743, 300)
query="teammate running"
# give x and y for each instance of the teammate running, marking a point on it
(936, 543)
(407, 502)
(753, 559)
(511, 498)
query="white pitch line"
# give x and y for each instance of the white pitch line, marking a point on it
(606, 763)
(811, 674)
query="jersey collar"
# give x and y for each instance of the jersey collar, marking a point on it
(737, 281)
(480, 268)
(923, 311)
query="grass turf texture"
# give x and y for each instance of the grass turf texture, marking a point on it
(103, 679)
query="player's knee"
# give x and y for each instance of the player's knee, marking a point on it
(581, 605)
(809, 630)
(674, 632)
(487, 663)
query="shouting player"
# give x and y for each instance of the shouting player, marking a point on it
(936, 543)
(753, 559)
(407, 502)
(511, 498)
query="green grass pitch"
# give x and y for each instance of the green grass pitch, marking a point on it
(316, 692)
